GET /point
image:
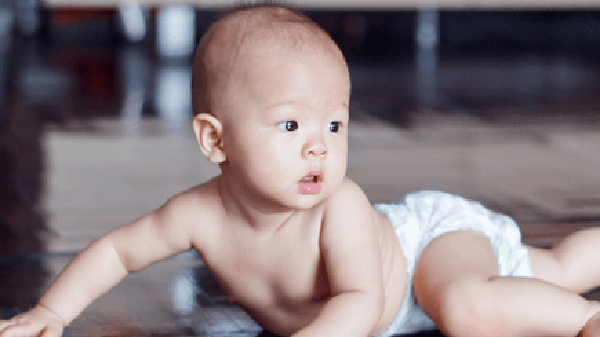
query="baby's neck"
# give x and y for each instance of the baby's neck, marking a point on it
(251, 212)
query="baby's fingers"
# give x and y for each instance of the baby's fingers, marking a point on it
(51, 331)
(15, 330)
(6, 324)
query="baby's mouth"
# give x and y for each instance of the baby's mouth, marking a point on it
(311, 183)
(311, 179)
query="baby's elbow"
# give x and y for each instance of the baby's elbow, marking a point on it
(377, 309)
(377, 305)
(380, 306)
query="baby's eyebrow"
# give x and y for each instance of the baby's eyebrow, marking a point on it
(335, 105)
(271, 111)
(276, 105)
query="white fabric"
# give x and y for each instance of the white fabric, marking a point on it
(422, 216)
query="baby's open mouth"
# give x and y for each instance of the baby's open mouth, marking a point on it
(312, 179)
(311, 183)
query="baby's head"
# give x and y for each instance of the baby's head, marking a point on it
(271, 93)
(241, 32)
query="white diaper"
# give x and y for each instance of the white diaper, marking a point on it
(423, 216)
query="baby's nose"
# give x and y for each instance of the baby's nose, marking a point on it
(315, 148)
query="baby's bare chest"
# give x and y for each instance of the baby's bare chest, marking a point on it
(283, 273)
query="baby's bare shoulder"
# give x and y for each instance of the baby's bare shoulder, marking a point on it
(348, 207)
(173, 228)
(200, 198)
(349, 234)
(348, 197)
(195, 211)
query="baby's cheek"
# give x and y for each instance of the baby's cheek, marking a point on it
(339, 174)
(342, 164)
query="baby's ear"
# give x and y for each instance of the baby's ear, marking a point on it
(209, 133)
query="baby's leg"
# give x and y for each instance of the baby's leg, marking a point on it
(456, 283)
(574, 263)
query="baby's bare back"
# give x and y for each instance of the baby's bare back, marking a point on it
(280, 278)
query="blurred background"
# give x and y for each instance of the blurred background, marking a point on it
(500, 105)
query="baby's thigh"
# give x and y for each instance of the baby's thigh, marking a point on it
(455, 262)
(546, 267)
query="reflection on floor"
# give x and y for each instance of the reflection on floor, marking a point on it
(171, 298)
(177, 297)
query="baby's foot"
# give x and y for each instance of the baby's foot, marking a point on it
(592, 327)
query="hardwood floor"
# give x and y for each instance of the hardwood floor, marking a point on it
(95, 181)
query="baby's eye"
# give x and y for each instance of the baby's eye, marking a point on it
(334, 126)
(288, 125)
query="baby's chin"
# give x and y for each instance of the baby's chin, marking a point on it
(311, 201)
(299, 201)
(287, 196)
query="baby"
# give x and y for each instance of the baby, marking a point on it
(297, 244)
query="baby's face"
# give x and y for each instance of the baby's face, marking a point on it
(287, 117)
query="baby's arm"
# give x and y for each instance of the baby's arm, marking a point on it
(350, 247)
(102, 265)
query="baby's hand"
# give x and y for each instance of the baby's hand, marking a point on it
(37, 322)
(591, 328)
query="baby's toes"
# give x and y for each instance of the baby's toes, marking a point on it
(592, 327)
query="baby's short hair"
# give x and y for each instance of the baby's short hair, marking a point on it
(249, 25)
